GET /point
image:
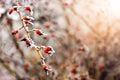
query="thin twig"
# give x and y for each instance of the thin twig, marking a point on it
(27, 32)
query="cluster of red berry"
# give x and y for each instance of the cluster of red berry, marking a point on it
(25, 20)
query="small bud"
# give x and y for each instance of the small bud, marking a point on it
(14, 32)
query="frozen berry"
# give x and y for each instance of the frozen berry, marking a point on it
(27, 8)
(14, 32)
(44, 66)
(47, 49)
(11, 10)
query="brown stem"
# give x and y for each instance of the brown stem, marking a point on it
(23, 26)
(27, 32)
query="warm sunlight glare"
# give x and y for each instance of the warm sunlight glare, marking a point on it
(115, 7)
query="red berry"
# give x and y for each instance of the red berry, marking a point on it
(38, 31)
(53, 73)
(25, 17)
(27, 42)
(44, 66)
(14, 32)
(11, 10)
(27, 8)
(83, 75)
(101, 67)
(73, 71)
(75, 78)
(76, 65)
(47, 49)
(26, 65)
(26, 21)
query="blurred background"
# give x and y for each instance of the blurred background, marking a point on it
(85, 35)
